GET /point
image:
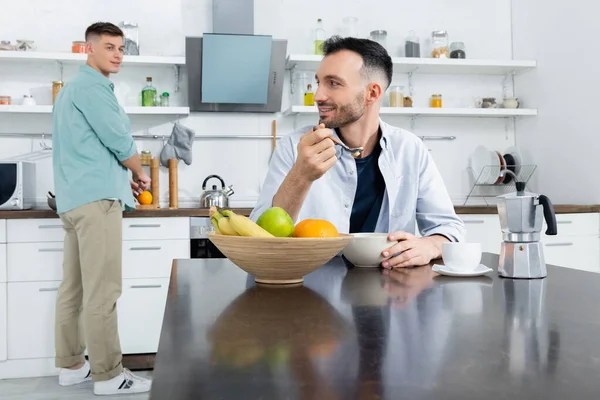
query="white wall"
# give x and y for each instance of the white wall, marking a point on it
(563, 140)
(483, 26)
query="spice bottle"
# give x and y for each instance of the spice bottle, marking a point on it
(56, 87)
(309, 96)
(436, 101)
(319, 37)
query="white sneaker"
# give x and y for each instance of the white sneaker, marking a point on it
(70, 377)
(124, 383)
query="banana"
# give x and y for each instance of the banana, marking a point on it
(215, 216)
(225, 227)
(215, 223)
(244, 226)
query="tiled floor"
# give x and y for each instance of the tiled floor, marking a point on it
(47, 388)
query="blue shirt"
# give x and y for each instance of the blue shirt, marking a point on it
(370, 191)
(415, 194)
(91, 136)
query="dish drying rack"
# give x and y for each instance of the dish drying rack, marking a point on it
(481, 188)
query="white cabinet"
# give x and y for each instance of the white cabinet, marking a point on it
(35, 262)
(2, 231)
(484, 229)
(152, 258)
(140, 311)
(34, 230)
(156, 228)
(577, 224)
(577, 252)
(3, 268)
(31, 311)
(3, 312)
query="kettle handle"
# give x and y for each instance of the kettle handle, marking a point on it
(213, 176)
(549, 215)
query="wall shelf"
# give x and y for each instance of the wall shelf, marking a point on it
(430, 65)
(433, 112)
(73, 58)
(45, 109)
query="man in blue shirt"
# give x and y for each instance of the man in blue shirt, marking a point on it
(92, 150)
(392, 187)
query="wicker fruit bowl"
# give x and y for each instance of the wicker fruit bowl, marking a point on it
(279, 260)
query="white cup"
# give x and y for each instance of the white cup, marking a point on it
(461, 256)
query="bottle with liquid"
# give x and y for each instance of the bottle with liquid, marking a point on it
(148, 94)
(319, 37)
(309, 96)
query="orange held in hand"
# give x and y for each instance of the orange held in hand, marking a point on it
(145, 198)
(315, 228)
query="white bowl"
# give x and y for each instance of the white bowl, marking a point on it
(364, 250)
(461, 256)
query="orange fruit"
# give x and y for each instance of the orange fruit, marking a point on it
(145, 198)
(315, 228)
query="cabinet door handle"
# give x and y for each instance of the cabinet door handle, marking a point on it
(50, 226)
(50, 250)
(565, 244)
(48, 289)
(564, 222)
(145, 248)
(474, 221)
(145, 286)
(144, 226)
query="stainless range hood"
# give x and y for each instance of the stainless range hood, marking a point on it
(231, 69)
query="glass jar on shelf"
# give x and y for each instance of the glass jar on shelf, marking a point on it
(457, 50)
(319, 37)
(5, 101)
(164, 99)
(439, 43)
(78, 47)
(350, 26)
(412, 46)
(56, 87)
(396, 96)
(131, 31)
(379, 36)
(436, 101)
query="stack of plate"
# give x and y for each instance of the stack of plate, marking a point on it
(486, 165)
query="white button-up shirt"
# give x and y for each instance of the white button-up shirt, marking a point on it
(415, 194)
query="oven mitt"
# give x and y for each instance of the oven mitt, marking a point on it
(178, 146)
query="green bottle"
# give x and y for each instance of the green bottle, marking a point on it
(148, 94)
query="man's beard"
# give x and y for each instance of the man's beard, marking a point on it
(346, 114)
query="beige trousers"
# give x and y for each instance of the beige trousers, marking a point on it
(86, 306)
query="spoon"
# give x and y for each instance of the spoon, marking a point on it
(354, 151)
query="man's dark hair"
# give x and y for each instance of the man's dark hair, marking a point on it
(375, 57)
(103, 28)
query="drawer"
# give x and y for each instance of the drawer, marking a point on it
(2, 262)
(484, 229)
(156, 228)
(577, 224)
(2, 231)
(34, 230)
(581, 253)
(140, 311)
(35, 262)
(3, 340)
(30, 323)
(152, 258)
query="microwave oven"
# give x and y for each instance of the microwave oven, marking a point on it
(17, 185)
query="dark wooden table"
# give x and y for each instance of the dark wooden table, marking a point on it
(351, 333)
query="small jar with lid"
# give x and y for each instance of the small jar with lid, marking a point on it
(5, 101)
(56, 87)
(439, 42)
(164, 99)
(380, 37)
(436, 101)
(78, 47)
(457, 50)
(146, 157)
(397, 96)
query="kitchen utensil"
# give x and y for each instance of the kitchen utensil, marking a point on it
(521, 216)
(279, 260)
(155, 184)
(509, 160)
(215, 197)
(365, 249)
(502, 168)
(173, 185)
(510, 102)
(50, 194)
(489, 102)
(484, 165)
(518, 160)
(274, 135)
(445, 270)
(51, 203)
(354, 151)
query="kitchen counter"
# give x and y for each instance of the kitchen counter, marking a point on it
(199, 212)
(351, 333)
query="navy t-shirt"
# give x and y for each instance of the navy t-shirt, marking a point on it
(369, 193)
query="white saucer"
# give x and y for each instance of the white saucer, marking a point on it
(480, 270)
